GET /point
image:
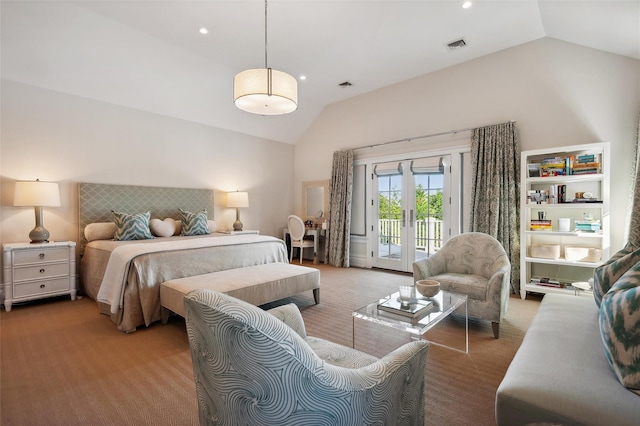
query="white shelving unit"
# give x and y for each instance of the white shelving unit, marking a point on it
(594, 184)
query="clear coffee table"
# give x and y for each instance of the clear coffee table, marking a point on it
(444, 304)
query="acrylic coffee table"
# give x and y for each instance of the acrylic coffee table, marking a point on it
(444, 304)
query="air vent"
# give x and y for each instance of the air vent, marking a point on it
(456, 44)
(345, 84)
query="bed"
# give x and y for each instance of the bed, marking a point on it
(124, 277)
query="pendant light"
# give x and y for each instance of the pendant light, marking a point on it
(265, 91)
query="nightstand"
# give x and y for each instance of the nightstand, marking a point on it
(37, 271)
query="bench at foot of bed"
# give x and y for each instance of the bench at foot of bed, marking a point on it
(257, 285)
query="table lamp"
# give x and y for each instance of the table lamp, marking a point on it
(37, 194)
(237, 199)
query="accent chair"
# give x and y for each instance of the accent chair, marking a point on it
(256, 367)
(474, 264)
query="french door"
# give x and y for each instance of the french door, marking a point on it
(411, 208)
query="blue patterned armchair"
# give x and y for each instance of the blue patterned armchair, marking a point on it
(474, 264)
(255, 367)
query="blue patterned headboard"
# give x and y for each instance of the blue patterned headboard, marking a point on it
(96, 201)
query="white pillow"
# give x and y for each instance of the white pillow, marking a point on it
(212, 225)
(164, 228)
(100, 231)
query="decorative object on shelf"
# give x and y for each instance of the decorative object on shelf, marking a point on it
(237, 200)
(37, 194)
(564, 224)
(265, 91)
(545, 251)
(428, 288)
(582, 254)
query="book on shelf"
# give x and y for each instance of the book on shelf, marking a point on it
(540, 225)
(414, 309)
(547, 282)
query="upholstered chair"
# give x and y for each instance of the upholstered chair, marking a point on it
(474, 264)
(255, 367)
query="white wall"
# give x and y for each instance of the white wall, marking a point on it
(559, 93)
(68, 139)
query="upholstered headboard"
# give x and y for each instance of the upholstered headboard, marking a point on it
(97, 200)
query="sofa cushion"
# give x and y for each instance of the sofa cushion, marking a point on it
(620, 327)
(474, 286)
(608, 273)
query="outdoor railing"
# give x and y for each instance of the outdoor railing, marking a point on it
(428, 233)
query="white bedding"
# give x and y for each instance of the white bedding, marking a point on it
(113, 283)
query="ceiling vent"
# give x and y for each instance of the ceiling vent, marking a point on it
(456, 44)
(345, 84)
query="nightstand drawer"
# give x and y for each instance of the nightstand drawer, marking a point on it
(40, 271)
(22, 257)
(40, 287)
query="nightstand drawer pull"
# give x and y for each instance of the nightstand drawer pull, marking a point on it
(53, 254)
(42, 286)
(42, 271)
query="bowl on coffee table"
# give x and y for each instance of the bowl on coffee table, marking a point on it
(427, 288)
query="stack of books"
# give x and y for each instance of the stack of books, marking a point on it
(588, 225)
(540, 225)
(547, 282)
(416, 308)
(585, 165)
(553, 166)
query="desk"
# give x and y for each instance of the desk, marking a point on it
(315, 233)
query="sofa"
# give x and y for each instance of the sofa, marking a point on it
(579, 362)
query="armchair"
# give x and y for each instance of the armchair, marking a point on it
(255, 367)
(474, 264)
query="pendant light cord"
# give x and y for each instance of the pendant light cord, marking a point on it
(265, 34)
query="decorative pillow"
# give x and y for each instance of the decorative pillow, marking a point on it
(194, 223)
(100, 231)
(163, 228)
(211, 224)
(608, 273)
(132, 226)
(620, 327)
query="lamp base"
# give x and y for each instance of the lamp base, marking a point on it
(237, 225)
(39, 235)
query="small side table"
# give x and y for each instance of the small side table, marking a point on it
(37, 271)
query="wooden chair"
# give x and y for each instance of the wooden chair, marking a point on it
(296, 233)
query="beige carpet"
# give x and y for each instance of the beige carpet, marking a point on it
(62, 363)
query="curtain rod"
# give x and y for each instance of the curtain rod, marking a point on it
(429, 136)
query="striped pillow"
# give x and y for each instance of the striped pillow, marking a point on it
(132, 226)
(619, 320)
(194, 223)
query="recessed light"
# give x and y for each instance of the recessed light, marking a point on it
(203, 30)
(303, 77)
(466, 5)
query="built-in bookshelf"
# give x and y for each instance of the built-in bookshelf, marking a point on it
(564, 216)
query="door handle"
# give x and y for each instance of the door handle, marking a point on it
(411, 218)
(404, 218)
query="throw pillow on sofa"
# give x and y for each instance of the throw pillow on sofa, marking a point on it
(620, 327)
(608, 273)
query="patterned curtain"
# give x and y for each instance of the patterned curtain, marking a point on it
(495, 183)
(337, 244)
(634, 223)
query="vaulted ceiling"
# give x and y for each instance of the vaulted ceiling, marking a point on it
(149, 55)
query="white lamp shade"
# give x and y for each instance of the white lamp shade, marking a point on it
(238, 199)
(36, 194)
(265, 91)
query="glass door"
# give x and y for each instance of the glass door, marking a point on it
(411, 209)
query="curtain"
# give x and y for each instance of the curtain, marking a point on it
(495, 182)
(634, 223)
(337, 243)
